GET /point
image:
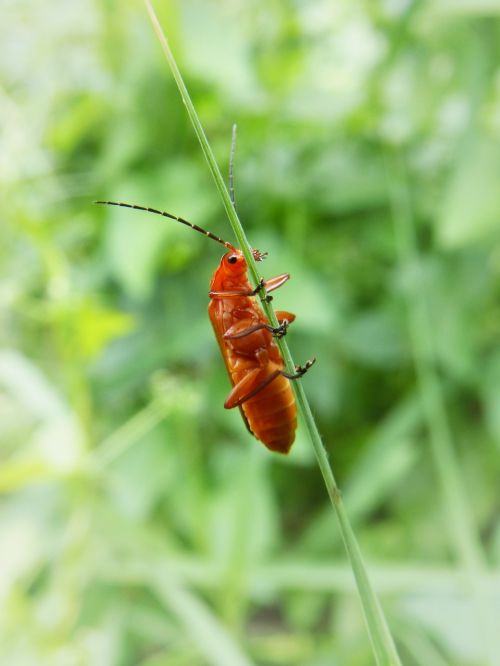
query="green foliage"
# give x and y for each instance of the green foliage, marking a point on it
(140, 524)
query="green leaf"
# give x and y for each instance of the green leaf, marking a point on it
(471, 206)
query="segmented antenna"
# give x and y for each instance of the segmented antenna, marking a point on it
(231, 160)
(172, 217)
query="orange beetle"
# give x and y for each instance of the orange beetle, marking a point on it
(261, 386)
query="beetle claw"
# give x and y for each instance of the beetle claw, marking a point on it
(300, 370)
(280, 331)
(259, 287)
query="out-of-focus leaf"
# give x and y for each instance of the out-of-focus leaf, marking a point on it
(491, 395)
(27, 384)
(211, 638)
(56, 440)
(97, 325)
(22, 551)
(448, 613)
(224, 59)
(17, 475)
(375, 338)
(243, 525)
(385, 460)
(134, 243)
(145, 460)
(463, 7)
(471, 204)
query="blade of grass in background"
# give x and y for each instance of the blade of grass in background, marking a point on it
(460, 523)
(381, 639)
(130, 432)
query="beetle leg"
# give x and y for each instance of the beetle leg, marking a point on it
(280, 331)
(285, 319)
(253, 382)
(237, 293)
(300, 370)
(270, 285)
(258, 288)
(281, 315)
(241, 329)
(237, 331)
(276, 282)
(229, 294)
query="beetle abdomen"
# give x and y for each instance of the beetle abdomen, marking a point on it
(272, 415)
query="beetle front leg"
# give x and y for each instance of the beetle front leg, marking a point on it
(259, 288)
(268, 285)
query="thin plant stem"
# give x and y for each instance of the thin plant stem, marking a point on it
(459, 520)
(382, 643)
(120, 441)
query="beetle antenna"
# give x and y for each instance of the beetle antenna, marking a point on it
(172, 217)
(231, 161)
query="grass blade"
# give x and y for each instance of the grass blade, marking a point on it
(383, 646)
(212, 639)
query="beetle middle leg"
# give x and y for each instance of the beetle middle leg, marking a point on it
(280, 331)
(241, 329)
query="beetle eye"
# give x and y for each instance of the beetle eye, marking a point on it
(232, 259)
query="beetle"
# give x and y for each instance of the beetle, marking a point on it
(260, 384)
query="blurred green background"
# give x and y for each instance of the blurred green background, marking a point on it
(140, 523)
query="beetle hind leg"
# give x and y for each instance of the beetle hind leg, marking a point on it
(250, 385)
(257, 379)
(300, 370)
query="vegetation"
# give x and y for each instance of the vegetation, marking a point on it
(140, 523)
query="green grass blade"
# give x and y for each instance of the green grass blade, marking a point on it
(383, 646)
(212, 640)
(120, 441)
